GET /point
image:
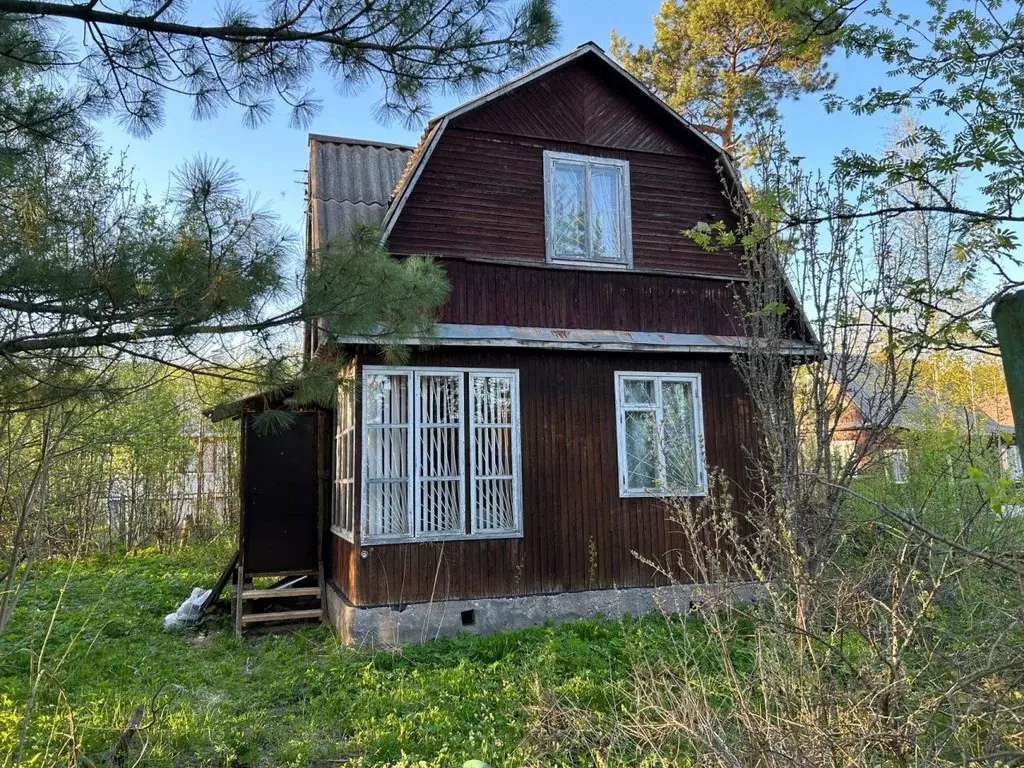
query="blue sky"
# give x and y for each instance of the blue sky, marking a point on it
(270, 158)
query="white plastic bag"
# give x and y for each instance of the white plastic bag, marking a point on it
(188, 611)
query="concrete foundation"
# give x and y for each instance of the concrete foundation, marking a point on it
(396, 626)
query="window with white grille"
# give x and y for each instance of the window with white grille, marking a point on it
(660, 434)
(494, 446)
(440, 500)
(587, 209)
(418, 460)
(343, 513)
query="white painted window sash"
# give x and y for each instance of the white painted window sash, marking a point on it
(897, 465)
(478, 518)
(657, 407)
(587, 163)
(415, 431)
(424, 433)
(1012, 463)
(368, 526)
(344, 506)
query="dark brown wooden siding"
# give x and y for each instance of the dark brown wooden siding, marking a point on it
(481, 195)
(485, 293)
(585, 102)
(578, 533)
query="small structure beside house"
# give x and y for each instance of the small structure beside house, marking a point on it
(515, 469)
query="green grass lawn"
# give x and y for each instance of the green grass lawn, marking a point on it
(297, 698)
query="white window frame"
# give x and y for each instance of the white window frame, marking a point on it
(345, 477)
(418, 428)
(1011, 462)
(897, 465)
(517, 474)
(588, 162)
(842, 452)
(468, 530)
(364, 432)
(658, 409)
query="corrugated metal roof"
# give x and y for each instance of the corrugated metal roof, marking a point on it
(870, 389)
(350, 183)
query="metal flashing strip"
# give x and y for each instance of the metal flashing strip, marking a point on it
(466, 335)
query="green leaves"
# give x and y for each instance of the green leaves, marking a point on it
(358, 289)
(964, 73)
(250, 55)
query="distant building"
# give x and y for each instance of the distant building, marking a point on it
(872, 405)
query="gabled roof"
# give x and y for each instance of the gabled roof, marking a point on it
(436, 127)
(350, 183)
(870, 392)
(354, 181)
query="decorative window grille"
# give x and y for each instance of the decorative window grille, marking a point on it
(343, 519)
(587, 209)
(494, 448)
(415, 457)
(897, 465)
(440, 445)
(660, 434)
(387, 480)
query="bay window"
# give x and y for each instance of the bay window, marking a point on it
(660, 434)
(416, 471)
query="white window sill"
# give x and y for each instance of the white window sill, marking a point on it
(658, 494)
(348, 536)
(373, 541)
(591, 264)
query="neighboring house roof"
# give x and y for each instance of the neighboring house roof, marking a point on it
(350, 183)
(870, 391)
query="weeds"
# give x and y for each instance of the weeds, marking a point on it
(290, 699)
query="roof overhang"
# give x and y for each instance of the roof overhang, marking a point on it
(258, 401)
(466, 335)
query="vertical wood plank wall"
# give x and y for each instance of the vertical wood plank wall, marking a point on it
(501, 294)
(578, 533)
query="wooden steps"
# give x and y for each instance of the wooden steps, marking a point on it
(282, 616)
(285, 592)
(295, 597)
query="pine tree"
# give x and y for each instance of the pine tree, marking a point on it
(726, 64)
(93, 272)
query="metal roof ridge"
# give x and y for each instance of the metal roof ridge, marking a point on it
(347, 140)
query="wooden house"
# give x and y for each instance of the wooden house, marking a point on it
(879, 419)
(515, 469)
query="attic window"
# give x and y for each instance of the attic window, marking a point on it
(586, 210)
